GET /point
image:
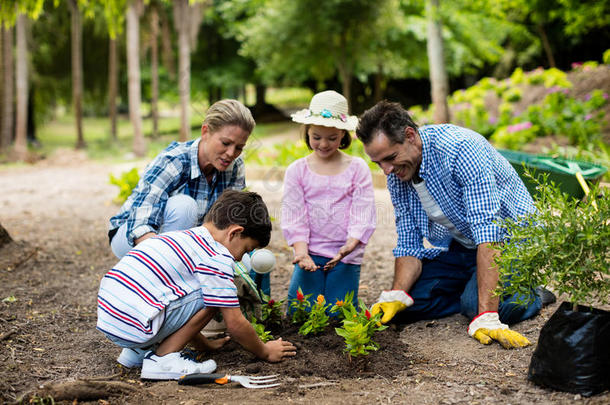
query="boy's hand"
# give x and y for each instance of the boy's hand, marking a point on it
(215, 344)
(305, 262)
(277, 350)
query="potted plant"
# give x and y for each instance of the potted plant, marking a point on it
(565, 245)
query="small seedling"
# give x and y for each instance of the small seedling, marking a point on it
(344, 308)
(359, 330)
(317, 320)
(264, 335)
(271, 311)
(299, 307)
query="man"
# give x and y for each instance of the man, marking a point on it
(448, 186)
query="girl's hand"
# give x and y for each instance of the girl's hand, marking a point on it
(333, 262)
(305, 262)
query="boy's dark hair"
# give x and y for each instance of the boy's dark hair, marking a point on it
(346, 141)
(243, 208)
(390, 118)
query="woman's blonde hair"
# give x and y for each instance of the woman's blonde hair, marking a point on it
(229, 112)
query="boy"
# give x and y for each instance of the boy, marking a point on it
(161, 294)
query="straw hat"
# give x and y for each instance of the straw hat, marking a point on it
(328, 109)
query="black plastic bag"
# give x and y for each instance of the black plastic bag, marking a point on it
(573, 352)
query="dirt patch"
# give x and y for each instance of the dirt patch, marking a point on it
(59, 211)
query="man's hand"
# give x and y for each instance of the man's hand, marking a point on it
(391, 302)
(487, 327)
(278, 349)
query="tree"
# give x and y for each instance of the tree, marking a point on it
(133, 75)
(154, 68)
(77, 70)
(6, 134)
(439, 81)
(114, 13)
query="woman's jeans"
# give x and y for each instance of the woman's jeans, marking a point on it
(333, 284)
(448, 285)
(180, 214)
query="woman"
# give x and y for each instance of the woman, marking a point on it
(178, 187)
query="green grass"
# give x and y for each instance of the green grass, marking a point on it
(61, 133)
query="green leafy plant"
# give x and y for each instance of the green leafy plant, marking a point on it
(317, 320)
(263, 334)
(299, 307)
(344, 308)
(126, 182)
(565, 244)
(358, 332)
(271, 311)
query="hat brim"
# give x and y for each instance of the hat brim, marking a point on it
(304, 117)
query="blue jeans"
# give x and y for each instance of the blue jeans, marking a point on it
(263, 281)
(180, 214)
(448, 285)
(177, 314)
(333, 284)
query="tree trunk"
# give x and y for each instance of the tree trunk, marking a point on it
(546, 45)
(77, 70)
(380, 84)
(133, 76)
(4, 236)
(181, 9)
(154, 70)
(21, 80)
(345, 71)
(439, 81)
(113, 85)
(6, 136)
(167, 56)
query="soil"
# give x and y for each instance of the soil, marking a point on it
(56, 211)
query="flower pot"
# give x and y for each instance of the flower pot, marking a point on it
(573, 352)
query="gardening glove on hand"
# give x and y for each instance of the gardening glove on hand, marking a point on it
(390, 302)
(486, 327)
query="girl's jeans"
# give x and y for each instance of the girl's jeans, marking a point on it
(448, 285)
(333, 284)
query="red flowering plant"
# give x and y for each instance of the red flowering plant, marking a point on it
(271, 311)
(299, 307)
(344, 308)
(317, 320)
(358, 331)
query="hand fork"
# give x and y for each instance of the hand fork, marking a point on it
(265, 381)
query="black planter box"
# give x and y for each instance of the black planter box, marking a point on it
(573, 352)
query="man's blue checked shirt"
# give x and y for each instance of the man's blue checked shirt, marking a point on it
(472, 183)
(174, 171)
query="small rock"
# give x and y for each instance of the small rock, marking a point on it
(253, 368)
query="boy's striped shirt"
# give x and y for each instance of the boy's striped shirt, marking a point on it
(134, 294)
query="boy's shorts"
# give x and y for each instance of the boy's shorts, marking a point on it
(177, 313)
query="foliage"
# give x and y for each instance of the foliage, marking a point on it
(557, 114)
(317, 320)
(299, 307)
(606, 57)
(359, 330)
(126, 182)
(263, 334)
(271, 311)
(344, 308)
(565, 244)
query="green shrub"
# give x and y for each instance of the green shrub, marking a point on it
(126, 182)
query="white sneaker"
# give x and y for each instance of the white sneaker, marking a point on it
(172, 366)
(132, 357)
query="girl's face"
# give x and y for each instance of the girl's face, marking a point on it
(324, 141)
(219, 149)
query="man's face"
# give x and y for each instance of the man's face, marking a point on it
(402, 159)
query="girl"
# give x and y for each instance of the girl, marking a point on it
(328, 206)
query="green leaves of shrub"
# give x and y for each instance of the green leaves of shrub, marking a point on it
(126, 183)
(566, 244)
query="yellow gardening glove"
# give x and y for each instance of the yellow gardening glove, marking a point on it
(391, 302)
(487, 327)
